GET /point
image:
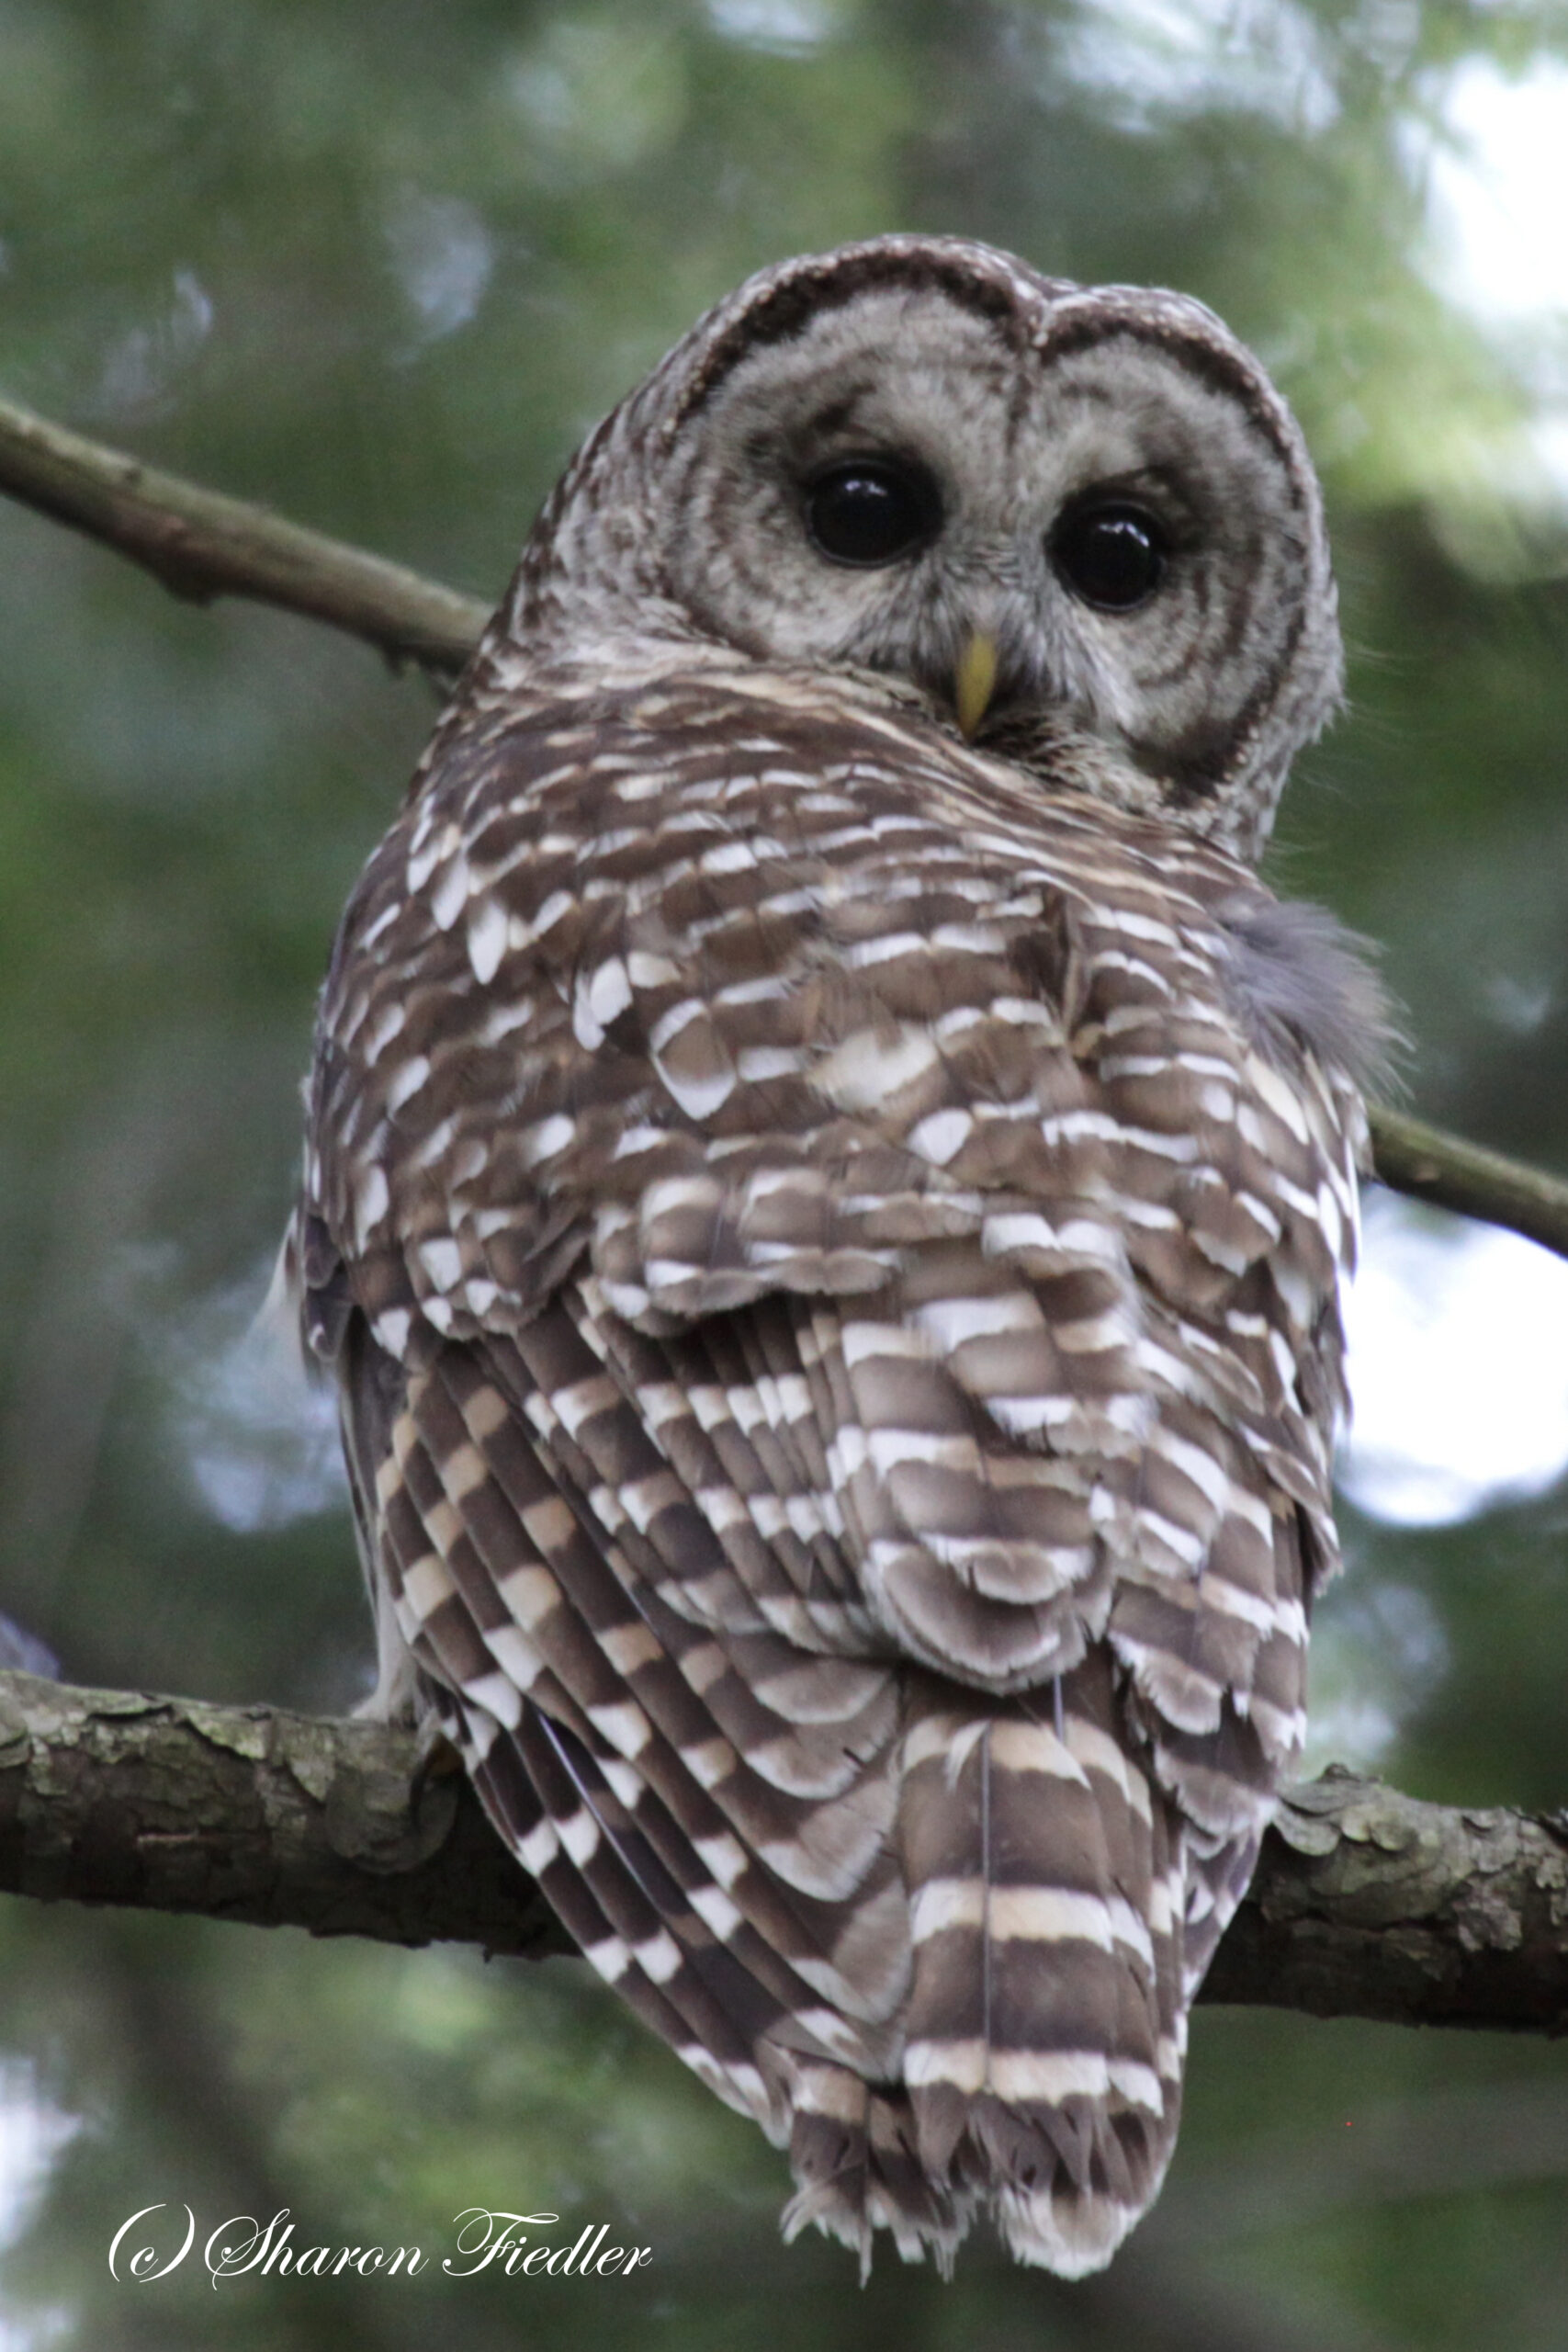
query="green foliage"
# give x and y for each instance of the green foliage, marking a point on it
(381, 267)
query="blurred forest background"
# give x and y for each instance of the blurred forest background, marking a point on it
(381, 267)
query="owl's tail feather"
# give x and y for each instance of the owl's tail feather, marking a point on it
(857, 2168)
(1045, 2030)
(856, 2177)
(1041, 2066)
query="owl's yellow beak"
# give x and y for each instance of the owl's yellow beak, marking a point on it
(974, 680)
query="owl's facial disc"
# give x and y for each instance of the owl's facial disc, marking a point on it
(1106, 496)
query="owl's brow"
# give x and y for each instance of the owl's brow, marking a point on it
(786, 308)
(1218, 365)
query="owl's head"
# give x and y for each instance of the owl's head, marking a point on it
(1051, 509)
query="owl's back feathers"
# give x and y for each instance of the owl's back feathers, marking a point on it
(831, 1249)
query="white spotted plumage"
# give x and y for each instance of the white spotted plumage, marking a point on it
(830, 1232)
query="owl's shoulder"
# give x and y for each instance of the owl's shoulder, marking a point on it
(714, 790)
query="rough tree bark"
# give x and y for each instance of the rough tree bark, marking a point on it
(1366, 1904)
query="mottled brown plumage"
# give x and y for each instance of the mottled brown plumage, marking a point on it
(830, 1233)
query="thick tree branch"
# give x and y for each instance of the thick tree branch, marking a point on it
(1366, 1904)
(1369, 1904)
(249, 1814)
(202, 545)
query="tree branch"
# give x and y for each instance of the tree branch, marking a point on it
(202, 545)
(1369, 1904)
(1452, 1174)
(1366, 1902)
(249, 1814)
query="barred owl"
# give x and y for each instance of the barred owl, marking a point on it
(827, 1184)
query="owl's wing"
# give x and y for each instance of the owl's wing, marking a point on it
(863, 1302)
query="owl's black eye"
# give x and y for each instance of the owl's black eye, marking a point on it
(1110, 554)
(872, 510)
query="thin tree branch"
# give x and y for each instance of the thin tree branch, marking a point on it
(1366, 1904)
(1452, 1174)
(202, 545)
